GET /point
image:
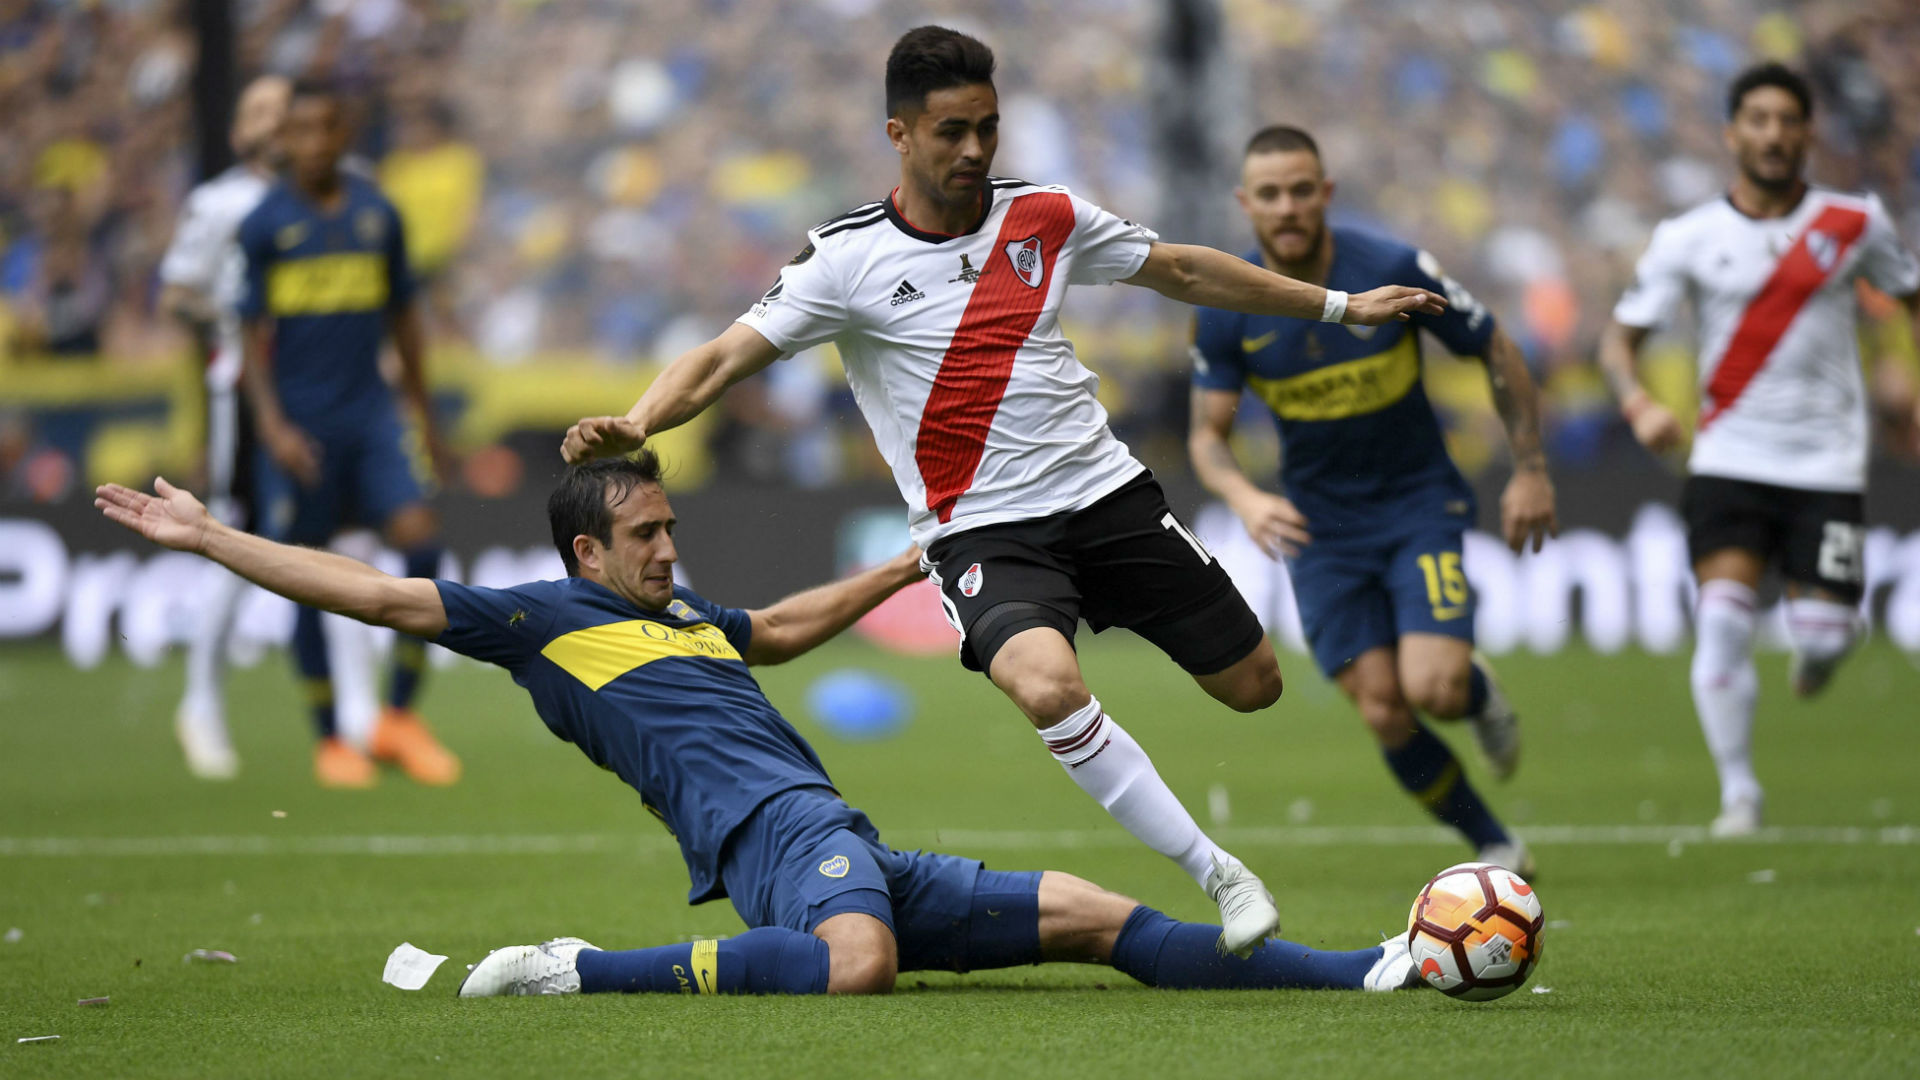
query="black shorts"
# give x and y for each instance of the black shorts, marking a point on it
(1815, 537)
(1124, 561)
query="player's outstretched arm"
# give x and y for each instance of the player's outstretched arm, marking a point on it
(806, 619)
(1527, 506)
(694, 380)
(1271, 520)
(1207, 277)
(175, 519)
(1653, 424)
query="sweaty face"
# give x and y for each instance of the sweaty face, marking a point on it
(948, 146)
(1285, 195)
(316, 137)
(639, 563)
(1768, 136)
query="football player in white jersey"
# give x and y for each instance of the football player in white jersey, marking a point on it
(200, 278)
(943, 299)
(1779, 460)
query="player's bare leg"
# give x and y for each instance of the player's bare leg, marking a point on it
(1823, 628)
(1446, 679)
(864, 958)
(401, 736)
(1422, 763)
(1725, 683)
(1039, 670)
(1252, 683)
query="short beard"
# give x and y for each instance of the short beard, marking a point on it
(1771, 186)
(1313, 250)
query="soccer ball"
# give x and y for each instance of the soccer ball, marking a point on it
(1475, 931)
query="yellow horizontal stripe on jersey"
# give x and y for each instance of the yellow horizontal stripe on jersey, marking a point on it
(1352, 388)
(600, 654)
(328, 284)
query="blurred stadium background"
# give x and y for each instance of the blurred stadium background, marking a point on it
(591, 186)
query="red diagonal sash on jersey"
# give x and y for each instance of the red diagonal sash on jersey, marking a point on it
(979, 361)
(1802, 271)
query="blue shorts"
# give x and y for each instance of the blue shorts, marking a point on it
(805, 856)
(367, 474)
(1359, 594)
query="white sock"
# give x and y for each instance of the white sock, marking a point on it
(1725, 685)
(205, 696)
(1108, 765)
(1821, 630)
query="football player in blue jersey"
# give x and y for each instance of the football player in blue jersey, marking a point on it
(326, 281)
(1374, 510)
(651, 681)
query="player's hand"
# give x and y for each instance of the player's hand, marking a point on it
(1274, 523)
(293, 450)
(1653, 423)
(174, 519)
(1392, 303)
(601, 436)
(1526, 509)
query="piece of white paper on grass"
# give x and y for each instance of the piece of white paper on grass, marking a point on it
(410, 968)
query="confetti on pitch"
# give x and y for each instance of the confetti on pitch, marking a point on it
(279, 813)
(1559, 924)
(13, 935)
(1543, 989)
(211, 956)
(1760, 877)
(410, 968)
(94, 1001)
(39, 1038)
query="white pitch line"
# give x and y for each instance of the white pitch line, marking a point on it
(960, 840)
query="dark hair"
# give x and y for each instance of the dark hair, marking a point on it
(929, 58)
(581, 506)
(1771, 73)
(314, 88)
(1280, 138)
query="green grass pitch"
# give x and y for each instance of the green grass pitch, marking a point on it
(1795, 956)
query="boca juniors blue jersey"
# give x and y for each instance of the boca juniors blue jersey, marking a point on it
(1361, 448)
(329, 282)
(661, 698)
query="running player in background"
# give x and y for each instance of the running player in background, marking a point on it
(201, 278)
(943, 298)
(1778, 469)
(326, 281)
(1375, 512)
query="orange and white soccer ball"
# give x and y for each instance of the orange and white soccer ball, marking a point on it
(1475, 931)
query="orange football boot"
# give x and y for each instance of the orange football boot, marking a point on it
(336, 764)
(402, 737)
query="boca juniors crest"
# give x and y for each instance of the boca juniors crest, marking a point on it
(1025, 257)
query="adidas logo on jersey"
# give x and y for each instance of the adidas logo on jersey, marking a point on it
(906, 294)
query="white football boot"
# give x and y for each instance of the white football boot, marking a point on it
(1497, 728)
(1737, 819)
(547, 968)
(203, 739)
(1513, 856)
(1247, 915)
(1394, 970)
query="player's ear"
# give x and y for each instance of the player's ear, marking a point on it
(1240, 196)
(897, 134)
(1326, 190)
(586, 552)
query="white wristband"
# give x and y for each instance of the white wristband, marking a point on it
(1336, 307)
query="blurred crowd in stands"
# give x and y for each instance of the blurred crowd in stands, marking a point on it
(618, 179)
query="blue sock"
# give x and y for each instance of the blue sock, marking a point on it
(410, 653)
(310, 660)
(769, 960)
(1476, 690)
(1173, 955)
(1431, 774)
